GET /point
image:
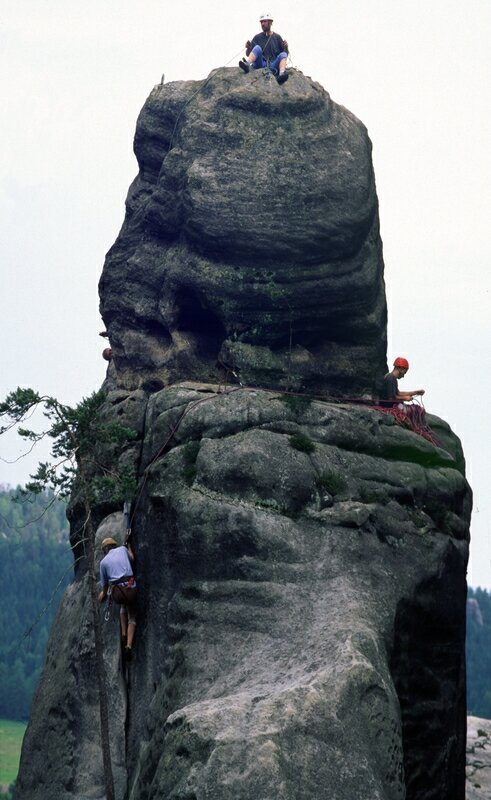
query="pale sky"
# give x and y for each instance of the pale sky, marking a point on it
(74, 76)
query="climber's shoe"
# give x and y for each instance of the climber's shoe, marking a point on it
(128, 653)
(282, 77)
(243, 64)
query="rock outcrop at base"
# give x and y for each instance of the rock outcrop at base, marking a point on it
(301, 569)
(251, 241)
(478, 770)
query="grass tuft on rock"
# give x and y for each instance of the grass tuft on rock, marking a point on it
(301, 442)
(332, 481)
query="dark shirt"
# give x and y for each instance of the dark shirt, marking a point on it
(271, 46)
(389, 391)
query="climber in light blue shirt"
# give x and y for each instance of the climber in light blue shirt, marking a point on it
(118, 582)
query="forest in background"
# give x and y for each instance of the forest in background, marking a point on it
(35, 557)
(479, 653)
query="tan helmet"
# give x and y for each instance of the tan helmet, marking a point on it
(109, 542)
(265, 17)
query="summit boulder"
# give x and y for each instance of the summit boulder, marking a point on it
(251, 241)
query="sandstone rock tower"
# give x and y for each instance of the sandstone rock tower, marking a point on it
(251, 240)
(301, 563)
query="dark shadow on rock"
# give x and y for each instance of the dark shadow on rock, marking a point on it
(428, 667)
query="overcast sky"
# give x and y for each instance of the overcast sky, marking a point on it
(74, 76)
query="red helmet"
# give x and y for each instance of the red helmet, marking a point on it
(401, 362)
(107, 354)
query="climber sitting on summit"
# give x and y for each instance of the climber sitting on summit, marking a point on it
(267, 49)
(391, 395)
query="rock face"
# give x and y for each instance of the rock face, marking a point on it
(301, 564)
(301, 570)
(251, 241)
(478, 768)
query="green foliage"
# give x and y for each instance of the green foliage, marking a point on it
(268, 505)
(77, 433)
(478, 653)
(34, 556)
(296, 403)
(84, 459)
(106, 488)
(301, 442)
(332, 481)
(82, 437)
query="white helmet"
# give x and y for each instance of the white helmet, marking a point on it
(264, 17)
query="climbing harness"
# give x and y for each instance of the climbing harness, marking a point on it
(126, 582)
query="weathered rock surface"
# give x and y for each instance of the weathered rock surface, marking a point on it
(251, 241)
(301, 564)
(478, 761)
(302, 612)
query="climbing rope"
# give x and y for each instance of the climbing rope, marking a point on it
(411, 416)
(200, 89)
(290, 60)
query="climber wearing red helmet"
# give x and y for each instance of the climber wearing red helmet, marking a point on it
(267, 49)
(391, 395)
